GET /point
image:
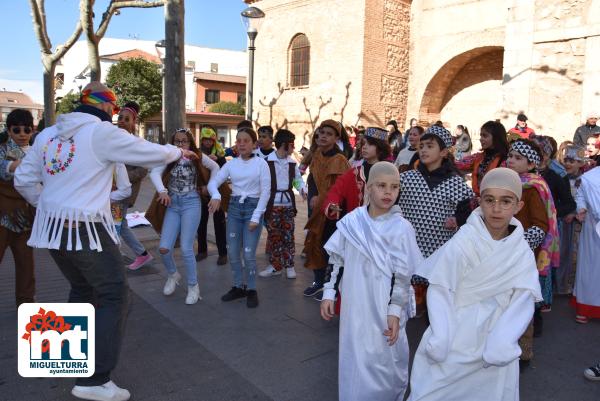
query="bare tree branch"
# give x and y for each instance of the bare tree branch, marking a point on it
(39, 25)
(93, 38)
(61, 50)
(86, 18)
(115, 5)
(49, 58)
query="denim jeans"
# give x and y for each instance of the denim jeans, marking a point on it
(98, 278)
(241, 239)
(129, 237)
(181, 219)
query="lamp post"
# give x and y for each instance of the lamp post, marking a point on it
(80, 80)
(161, 54)
(252, 18)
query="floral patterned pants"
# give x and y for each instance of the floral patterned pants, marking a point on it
(280, 229)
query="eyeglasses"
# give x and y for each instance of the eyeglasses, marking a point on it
(504, 203)
(17, 130)
(184, 142)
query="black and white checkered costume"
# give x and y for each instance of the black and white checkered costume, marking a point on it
(427, 209)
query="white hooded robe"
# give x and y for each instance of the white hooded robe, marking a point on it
(480, 301)
(373, 251)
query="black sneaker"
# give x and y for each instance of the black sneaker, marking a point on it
(233, 294)
(319, 296)
(251, 299)
(313, 290)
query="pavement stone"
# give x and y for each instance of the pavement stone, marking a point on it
(280, 351)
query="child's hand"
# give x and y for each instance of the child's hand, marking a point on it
(214, 205)
(581, 215)
(164, 199)
(327, 309)
(450, 223)
(333, 211)
(252, 226)
(392, 330)
(569, 218)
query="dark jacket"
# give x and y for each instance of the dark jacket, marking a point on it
(584, 132)
(561, 192)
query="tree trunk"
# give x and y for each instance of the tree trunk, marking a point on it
(49, 91)
(174, 99)
(94, 61)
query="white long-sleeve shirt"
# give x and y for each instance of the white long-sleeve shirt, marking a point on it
(157, 172)
(282, 174)
(249, 178)
(122, 182)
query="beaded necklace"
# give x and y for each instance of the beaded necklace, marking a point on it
(55, 165)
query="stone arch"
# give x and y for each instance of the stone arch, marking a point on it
(463, 71)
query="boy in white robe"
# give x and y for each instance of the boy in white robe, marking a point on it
(376, 250)
(482, 287)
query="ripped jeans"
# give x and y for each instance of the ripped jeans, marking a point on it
(241, 241)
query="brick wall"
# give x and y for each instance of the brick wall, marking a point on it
(386, 61)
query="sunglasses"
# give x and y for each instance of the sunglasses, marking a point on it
(17, 130)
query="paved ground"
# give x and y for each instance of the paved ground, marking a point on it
(279, 351)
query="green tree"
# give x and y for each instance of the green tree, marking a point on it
(67, 103)
(227, 108)
(139, 80)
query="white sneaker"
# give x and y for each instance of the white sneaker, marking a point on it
(290, 272)
(193, 295)
(172, 283)
(109, 391)
(269, 272)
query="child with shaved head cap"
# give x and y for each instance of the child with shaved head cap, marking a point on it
(482, 287)
(376, 250)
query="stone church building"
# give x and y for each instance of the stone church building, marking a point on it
(365, 62)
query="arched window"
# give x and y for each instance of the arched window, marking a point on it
(299, 60)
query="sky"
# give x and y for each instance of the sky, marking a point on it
(208, 23)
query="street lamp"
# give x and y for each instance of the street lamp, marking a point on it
(80, 80)
(252, 18)
(161, 44)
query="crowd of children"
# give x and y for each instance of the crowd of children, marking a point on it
(398, 221)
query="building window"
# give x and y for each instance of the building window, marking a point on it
(241, 97)
(214, 68)
(299, 60)
(212, 96)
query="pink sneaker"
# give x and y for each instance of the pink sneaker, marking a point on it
(140, 262)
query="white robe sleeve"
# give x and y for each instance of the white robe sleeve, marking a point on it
(335, 248)
(440, 307)
(402, 298)
(28, 175)
(156, 178)
(123, 184)
(502, 344)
